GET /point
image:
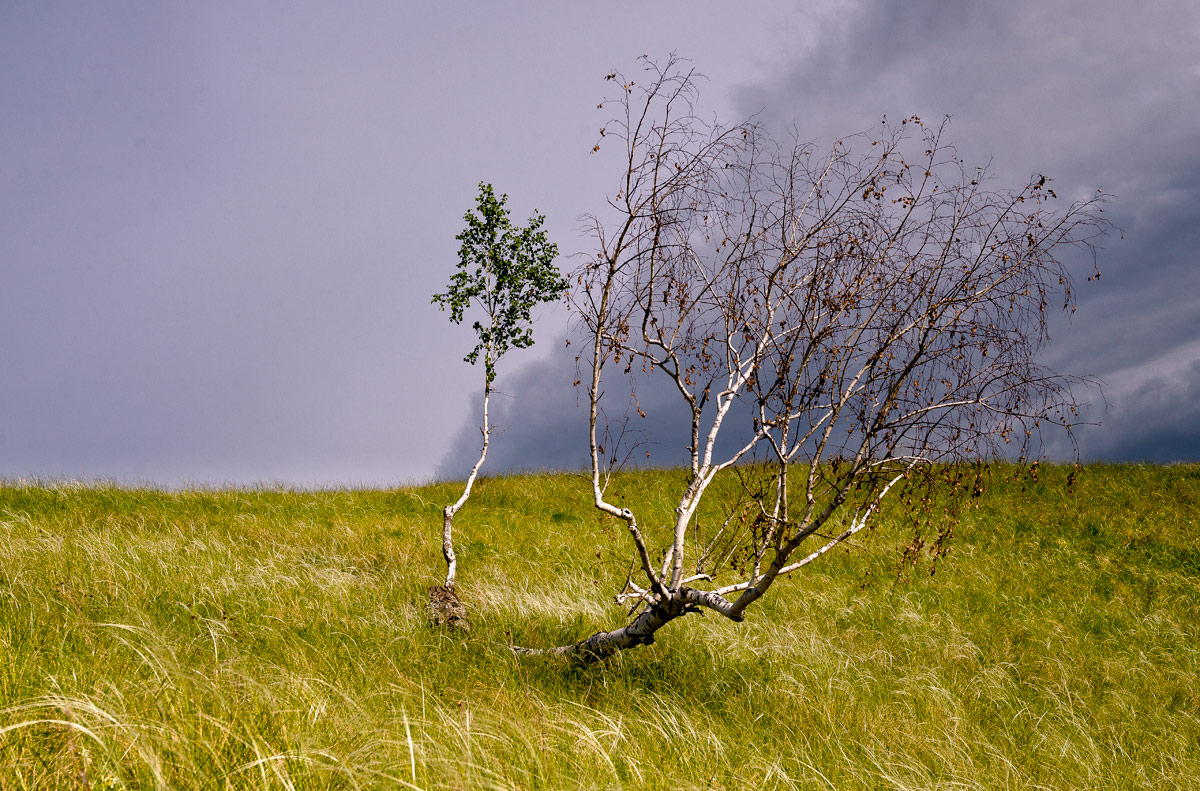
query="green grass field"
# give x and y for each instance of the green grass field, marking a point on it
(273, 639)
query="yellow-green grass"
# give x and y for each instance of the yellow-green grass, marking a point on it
(277, 639)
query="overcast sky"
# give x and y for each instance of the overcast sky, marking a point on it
(220, 223)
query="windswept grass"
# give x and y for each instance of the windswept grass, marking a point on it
(270, 639)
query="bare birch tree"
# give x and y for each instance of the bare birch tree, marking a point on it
(851, 318)
(504, 272)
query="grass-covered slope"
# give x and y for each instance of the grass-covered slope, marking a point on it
(266, 639)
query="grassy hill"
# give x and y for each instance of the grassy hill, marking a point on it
(273, 639)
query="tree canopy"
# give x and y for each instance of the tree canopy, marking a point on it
(506, 271)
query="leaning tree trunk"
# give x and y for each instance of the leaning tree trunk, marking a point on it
(601, 645)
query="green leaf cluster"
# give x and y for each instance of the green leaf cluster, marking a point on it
(506, 271)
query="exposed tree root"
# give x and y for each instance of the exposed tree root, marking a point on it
(446, 609)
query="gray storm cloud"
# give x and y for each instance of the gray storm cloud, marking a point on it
(1096, 95)
(541, 421)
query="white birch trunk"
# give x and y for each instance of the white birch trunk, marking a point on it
(450, 510)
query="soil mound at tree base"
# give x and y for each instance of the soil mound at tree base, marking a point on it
(446, 609)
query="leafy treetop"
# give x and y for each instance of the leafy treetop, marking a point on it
(504, 269)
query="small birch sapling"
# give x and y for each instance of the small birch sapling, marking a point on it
(503, 272)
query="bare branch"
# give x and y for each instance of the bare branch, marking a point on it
(867, 312)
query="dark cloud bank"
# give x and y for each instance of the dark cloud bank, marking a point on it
(1099, 95)
(540, 423)
(540, 420)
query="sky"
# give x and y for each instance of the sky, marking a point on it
(221, 223)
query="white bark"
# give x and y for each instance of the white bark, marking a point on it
(625, 514)
(450, 510)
